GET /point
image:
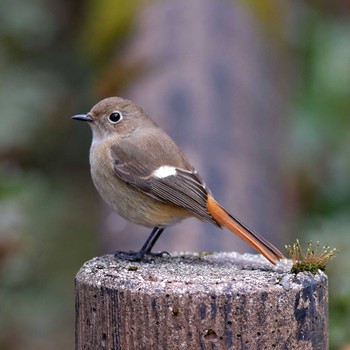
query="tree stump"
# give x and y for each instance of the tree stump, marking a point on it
(199, 301)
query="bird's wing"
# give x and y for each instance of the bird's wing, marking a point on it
(169, 182)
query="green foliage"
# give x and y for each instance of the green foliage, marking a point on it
(321, 145)
(105, 25)
(42, 210)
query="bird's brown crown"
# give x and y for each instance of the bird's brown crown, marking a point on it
(117, 115)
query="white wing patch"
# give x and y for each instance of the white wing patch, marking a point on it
(164, 171)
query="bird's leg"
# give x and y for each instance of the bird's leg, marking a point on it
(146, 248)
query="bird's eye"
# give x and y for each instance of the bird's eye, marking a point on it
(115, 117)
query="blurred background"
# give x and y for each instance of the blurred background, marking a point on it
(256, 93)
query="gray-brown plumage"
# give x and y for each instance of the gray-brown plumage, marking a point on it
(140, 171)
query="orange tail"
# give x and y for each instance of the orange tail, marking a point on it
(260, 244)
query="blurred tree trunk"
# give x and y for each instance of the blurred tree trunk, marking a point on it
(213, 81)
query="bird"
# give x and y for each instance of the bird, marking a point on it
(139, 170)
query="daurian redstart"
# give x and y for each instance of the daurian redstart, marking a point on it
(142, 174)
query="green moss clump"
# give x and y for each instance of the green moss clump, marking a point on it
(310, 259)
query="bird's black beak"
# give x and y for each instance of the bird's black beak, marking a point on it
(83, 117)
